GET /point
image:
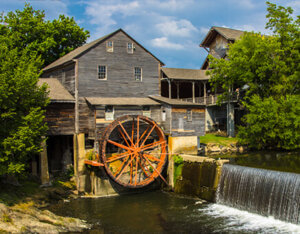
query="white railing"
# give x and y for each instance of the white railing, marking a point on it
(208, 100)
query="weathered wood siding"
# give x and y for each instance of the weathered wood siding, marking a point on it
(120, 71)
(66, 76)
(119, 111)
(183, 125)
(60, 118)
(218, 46)
(86, 117)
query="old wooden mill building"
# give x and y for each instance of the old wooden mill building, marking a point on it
(115, 76)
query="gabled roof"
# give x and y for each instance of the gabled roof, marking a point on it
(116, 101)
(174, 102)
(227, 33)
(185, 74)
(83, 49)
(57, 92)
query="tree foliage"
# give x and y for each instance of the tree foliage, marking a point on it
(27, 43)
(21, 108)
(267, 70)
(50, 39)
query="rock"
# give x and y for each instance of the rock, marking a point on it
(24, 219)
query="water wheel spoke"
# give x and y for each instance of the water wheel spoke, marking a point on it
(143, 169)
(133, 150)
(154, 125)
(132, 132)
(118, 156)
(131, 171)
(137, 131)
(119, 145)
(153, 144)
(152, 158)
(156, 171)
(136, 169)
(143, 134)
(123, 136)
(124, 130)
(122, 165)
(121, 173)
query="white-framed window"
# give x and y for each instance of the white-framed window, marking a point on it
(189, 115)
(110, 46)
(109, 113)
(102, 72)
(138, 73)
(130, 47)
(147, 111)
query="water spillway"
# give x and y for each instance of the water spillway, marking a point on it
(265, 192)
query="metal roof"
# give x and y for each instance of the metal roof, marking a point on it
(185, 74)
(227, 33)
(57, 92)
(116, 101)
(174, 102)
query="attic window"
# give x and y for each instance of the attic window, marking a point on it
(109, 113)
(138, 73)
(147, 111)
(109, 46)
(130, 48)
(102, 72)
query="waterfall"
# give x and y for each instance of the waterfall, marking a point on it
(265, 192)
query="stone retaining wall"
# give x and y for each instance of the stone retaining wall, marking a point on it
(200, 177)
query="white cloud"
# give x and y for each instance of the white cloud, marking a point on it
(52, 10)
(163, 42)
(204, 30)
(179, 28)
(248, 4)
(173, 5)
(103, 13)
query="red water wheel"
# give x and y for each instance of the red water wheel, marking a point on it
(134, 151)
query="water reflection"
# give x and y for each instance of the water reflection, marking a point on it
(156, 212)
(278, 161)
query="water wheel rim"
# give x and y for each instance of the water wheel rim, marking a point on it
(136, 156)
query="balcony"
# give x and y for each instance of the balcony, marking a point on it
(208, 100)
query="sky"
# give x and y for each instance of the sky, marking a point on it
(170, 29)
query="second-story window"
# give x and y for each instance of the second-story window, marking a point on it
(129, 47)
(102, 75)
(138, 73)
(109, 46)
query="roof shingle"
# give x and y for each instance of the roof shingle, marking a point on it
(185, 74)
(57, 92)
(114, 101)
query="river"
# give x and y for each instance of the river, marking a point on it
(161, 212)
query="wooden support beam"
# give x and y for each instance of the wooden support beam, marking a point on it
(199, 89)
(193, 87)
(170, 94)
(177, 85)
(204, 92)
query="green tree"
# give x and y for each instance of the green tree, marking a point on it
(267, 69)
(21, 108)
(27, 43)
(50, 39)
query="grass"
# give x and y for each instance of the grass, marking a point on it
(11, 195)
(6, 218)
(213, 138)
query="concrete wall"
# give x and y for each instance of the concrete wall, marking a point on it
(183, 144)
(200, 177)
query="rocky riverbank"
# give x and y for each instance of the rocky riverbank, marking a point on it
(23, 212)
(214, 149)
(26, 218)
